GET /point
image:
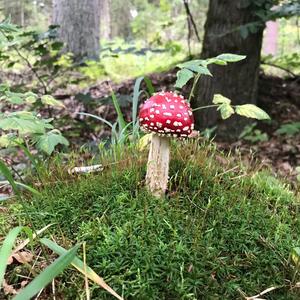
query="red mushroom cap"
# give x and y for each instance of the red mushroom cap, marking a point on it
(167, 113)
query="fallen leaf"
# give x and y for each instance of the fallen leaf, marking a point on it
(8, 289)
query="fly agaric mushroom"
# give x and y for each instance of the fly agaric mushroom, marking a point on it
(166, 115)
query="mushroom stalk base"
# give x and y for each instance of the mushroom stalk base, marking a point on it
(158, 165)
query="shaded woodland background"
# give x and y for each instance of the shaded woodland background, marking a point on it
(107, 43)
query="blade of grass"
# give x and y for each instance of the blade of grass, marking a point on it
(86, 281)
(43, 279)
(121, 120)
(29, 188)
(6, 250)
(135, 98)
(79, 265)
(7, 174)
(97, 117)
(149, 85)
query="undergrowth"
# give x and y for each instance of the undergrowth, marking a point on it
(221, 233)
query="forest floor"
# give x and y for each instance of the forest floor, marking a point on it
(279, 97)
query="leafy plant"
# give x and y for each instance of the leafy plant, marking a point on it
(24, 125)
(195, 68)
(40, 53)
(289, 129)
(21, 126)
(253, 135)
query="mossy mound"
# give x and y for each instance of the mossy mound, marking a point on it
(221, 232)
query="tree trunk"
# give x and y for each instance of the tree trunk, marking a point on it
(79, 22)
(105, 26)
(15, 11)
(237, 81)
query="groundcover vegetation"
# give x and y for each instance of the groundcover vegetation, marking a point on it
(223, 232)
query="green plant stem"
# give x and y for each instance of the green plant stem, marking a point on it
(207, 106)
(193, 87)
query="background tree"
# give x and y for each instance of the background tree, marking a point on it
(235, 27)
(223, 34)
(79, 22)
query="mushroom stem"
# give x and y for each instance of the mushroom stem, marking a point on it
(158, 165)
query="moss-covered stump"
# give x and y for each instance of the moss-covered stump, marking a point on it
(221, 233)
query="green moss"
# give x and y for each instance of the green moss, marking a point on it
(218, 234)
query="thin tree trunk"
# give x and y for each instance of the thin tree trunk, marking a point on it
(15, 11)
(79, 22)
(237, 81)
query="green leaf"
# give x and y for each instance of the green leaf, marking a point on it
(187, 64)
(183, 76)
(220, 99)
(43, 279)
(79, 265)
(50, 100)
(226, 110)
(252, 111)
(6, 250)
(22, 123)
(231, 57)
(9, 140)
(200, 70)
(216, 61)
(47, 142)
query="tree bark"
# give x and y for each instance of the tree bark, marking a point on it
(105, 23)
(79, 22)
(15, 11)
(237, 81)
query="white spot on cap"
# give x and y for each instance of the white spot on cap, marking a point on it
(147, 119)
(172, 107)
(155, 128)
(167, 114)
(179, 115)
(166, 129)
(159, 125)
(192, 126)
(151, 124)
(186, 128)
(164, 107)
(157, 112)
(168, 100)
(168, 121)
(141, 119)
(185, 119)
(190, 113)
(176, 124)
(181, 107)
(151, 116)
(178, 130)
(152, 109)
